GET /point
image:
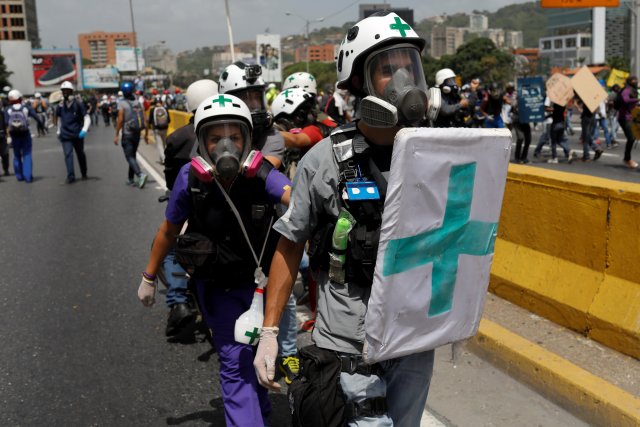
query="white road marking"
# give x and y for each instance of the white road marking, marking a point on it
(156, 176)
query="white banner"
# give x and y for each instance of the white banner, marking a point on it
(95, 78)
(437, 239)
(269, 57)
(126, 60)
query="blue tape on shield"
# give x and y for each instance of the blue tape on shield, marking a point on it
(362, 190)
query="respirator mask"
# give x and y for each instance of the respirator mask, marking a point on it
(223, 147)
(254, 97)
(67, 94)
(395, 81)
(449, 86)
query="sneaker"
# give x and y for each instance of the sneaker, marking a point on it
(536, 154)
(130, 182)
(524, 161)
(572, 156)
(631, 164)
(553, 161)
(180, 316)
(289, 367)
(614, 144)
(142, 180)
(61, 69)
(597, 155)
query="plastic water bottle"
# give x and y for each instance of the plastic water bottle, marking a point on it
(339, 244)
(249, 324)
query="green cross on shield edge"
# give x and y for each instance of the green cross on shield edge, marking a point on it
(442, 246)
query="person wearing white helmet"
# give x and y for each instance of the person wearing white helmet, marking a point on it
(244, 81)
(105, 109)
(378, 60)
(181, 147)
(72, 121)
(16, 117)
(453, 107)
(220, 178)
(39, 105)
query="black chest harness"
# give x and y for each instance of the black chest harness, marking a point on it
(355, 165)
(234, 262)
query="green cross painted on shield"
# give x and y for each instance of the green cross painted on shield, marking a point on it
(400, 27)
(286, 93)
(442, 246)
(222, 100)
(252, 335)
(311, 77)
(291, 78)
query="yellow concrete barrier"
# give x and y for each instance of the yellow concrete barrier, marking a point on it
(178, 119)
(568, 248)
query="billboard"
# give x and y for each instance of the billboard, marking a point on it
(52, 67)
(269, 57)
(99, 78)
(126, 60)
(579, 3)
(531, 96)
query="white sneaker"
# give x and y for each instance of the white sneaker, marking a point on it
(572, 156)
(142, 179)
(553, 161)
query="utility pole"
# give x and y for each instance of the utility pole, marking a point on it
(135, 37)
(233, 55)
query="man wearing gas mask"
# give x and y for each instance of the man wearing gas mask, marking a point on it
(452, 108)
(244, 81)
(379, 60)
(228, 195)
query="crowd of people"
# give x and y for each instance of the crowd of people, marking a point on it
(257, 182)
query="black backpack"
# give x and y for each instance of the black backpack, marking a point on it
(618, 101)
(179, 150)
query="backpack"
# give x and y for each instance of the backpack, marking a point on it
(160, 118)
(18, 120)
(136, 119)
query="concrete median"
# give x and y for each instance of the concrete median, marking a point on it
(567, 249)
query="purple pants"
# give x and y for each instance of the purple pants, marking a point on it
(245, 401)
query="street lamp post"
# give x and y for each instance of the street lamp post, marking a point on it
(135, 37)
(306, 34)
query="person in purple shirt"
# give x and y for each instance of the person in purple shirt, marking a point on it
(629, 97)
(230, 209)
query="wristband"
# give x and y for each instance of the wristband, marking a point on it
(148, 276)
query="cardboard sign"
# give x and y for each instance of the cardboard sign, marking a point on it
(437, 239)
(559, 89)
(531, 96)
(588, 88)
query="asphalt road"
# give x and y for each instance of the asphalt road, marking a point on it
(78, 349)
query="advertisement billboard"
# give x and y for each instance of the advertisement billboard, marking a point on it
(126, 60)
(100, 78)
(269, 57)
(52, 67)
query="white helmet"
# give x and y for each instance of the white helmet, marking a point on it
(14, 95)
(105, 97)
(228, 114)
(37, 95)
(66, 85)
(244, 81)
(444, 74)
(288, 101)
(238, 76)
(120, 94)
(302, 80)
(379, 30)
(198, 91)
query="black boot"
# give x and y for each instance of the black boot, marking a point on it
(179, 317)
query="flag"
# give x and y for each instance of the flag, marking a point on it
(617, 77)
(437, 239)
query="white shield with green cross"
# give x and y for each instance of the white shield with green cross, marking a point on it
(438, 233)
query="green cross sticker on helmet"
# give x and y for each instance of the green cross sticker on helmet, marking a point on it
(400, 26)
(221, 100)
(286, 93)
(291, 78)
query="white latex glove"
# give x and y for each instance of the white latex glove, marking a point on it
(265, 360)
(147, 293)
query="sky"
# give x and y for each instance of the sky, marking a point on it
(187, 24)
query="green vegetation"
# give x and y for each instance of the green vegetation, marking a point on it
(4, 73)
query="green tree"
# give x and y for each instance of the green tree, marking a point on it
(619, 63)
(4, 73)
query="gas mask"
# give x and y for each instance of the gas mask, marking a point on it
(395, 77)
(67, 95)
(224, 147)
(254, 97)
(449, 86)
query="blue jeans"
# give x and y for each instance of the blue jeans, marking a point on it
(68, 146)
(177, 285)
(604, 124)
(130, 147)
(496, 122)
(405, 382)
(288, 329)
(22, 160)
